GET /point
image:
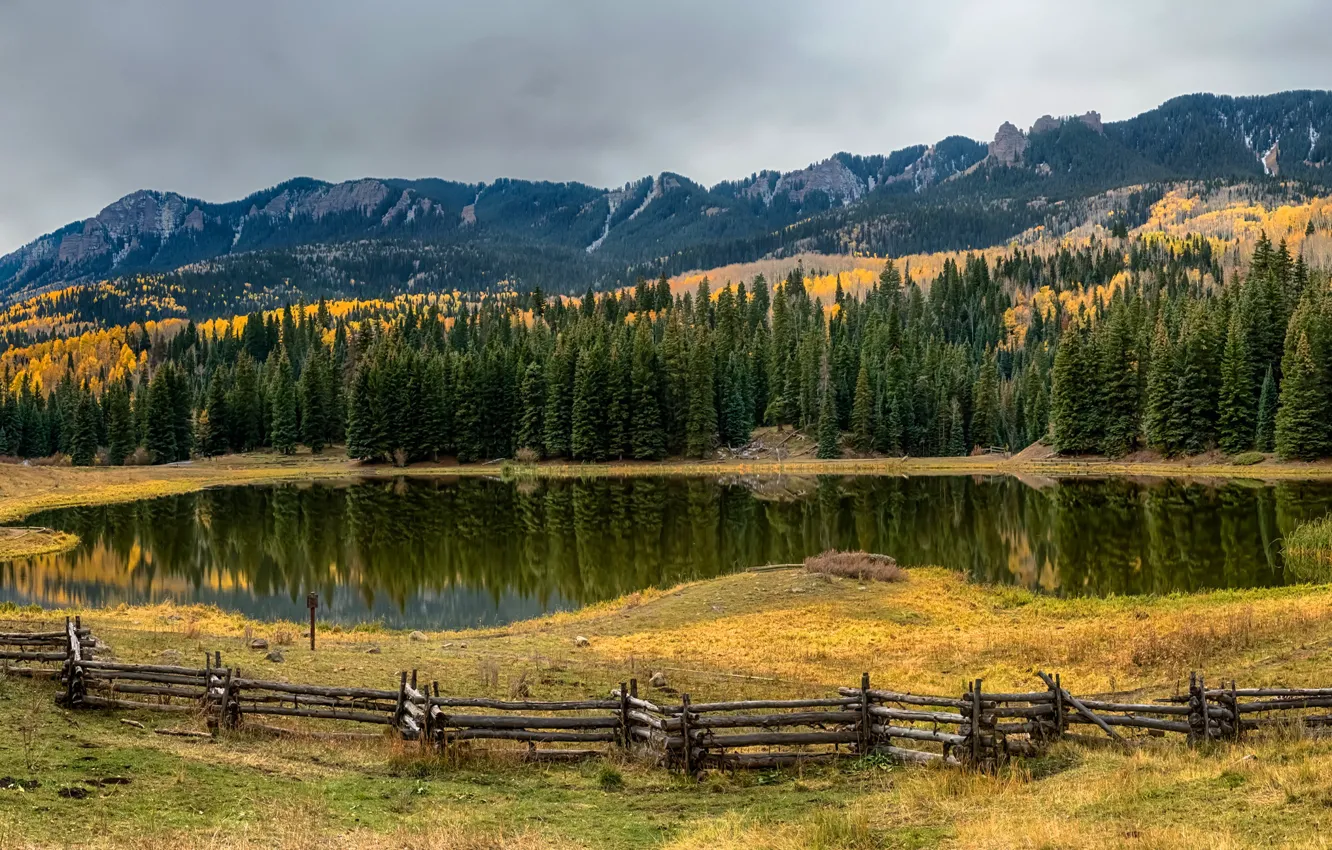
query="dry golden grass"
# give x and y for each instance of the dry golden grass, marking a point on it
(29, 542)
(862, 566)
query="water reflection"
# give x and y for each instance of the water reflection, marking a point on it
(453, 552)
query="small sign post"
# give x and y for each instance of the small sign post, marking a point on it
(312, 602)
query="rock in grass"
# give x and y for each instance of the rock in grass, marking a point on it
(417, 636)
(374, 650)
(275, 656)
(582, 641)
(259, 643)
(658, 680)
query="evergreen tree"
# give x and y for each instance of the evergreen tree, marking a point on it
(283, 394)
(647, 437)
(588, 419)
(701, 422)
(161, 438)
(532, 427)
(985, 400)
(862, 420)
(83, 445)
(1237, 419)
(830, 442)
(315, 400)
(1265, 438)
(121, 440)
(1301, 420)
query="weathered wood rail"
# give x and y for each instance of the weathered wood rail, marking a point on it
(978, 728)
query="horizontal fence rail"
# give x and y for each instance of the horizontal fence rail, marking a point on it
(978, 728)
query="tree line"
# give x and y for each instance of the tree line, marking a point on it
(990, 353)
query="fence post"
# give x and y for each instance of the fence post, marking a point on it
(975, 721)
(624, 715)
(684, 732)
(1060, 722)
(402, 699)
(865, 736)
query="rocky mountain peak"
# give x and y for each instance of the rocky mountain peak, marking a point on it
(1008, 146)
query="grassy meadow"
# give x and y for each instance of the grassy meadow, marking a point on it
(760, 633)
(87, 779)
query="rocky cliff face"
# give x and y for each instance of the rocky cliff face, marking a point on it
(1008, 146)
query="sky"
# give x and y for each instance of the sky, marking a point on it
(217, 100)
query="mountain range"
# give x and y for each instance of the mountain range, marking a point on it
(393, 235)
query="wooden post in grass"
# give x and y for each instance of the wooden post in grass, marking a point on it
(975, 721)
(864, 730)
(624, 715)
(684, 732)
(312, 602)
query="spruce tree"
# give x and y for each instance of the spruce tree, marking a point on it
(532, 427)
(1302, 418)
(1118, 386)
(161, 437)
(1237, 413)
(701, 422)
(315, 400)
(120, 425)
(646, 436)
(830, 437)
(985, 410)
(1265, 437)
(283, 395)
(588, 418)
(83, 444)
(862, 410)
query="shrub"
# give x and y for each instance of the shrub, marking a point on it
(526, 455)
(858, 565)
(609, 779)
(1247, 458)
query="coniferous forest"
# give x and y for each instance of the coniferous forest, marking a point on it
(1104, 349)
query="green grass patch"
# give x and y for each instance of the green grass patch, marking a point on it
(1247, 458)
(1307, 551)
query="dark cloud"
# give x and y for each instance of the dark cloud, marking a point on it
(216, 100)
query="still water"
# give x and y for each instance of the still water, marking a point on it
(459, 552)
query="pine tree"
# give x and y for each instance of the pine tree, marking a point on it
(120, 425)
(283, 394)
(1237, 412)
(1073, 409)
(862, 418)
(364, 441)
(830, 438)
(161, 439)
(1302, 418)
(315, 400)
(532, 427)
(1162, 380)
(1265, 438)
(985, 411)
(1118, 386)
(215, 406)
(647, 437)
(588, 418)
(83, 444)
(560, 375)
(701, 423)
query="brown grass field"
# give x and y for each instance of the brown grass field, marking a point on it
(778, 632)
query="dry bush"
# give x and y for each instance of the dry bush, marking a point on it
(283, 637)
(858, 565)
(526, 455)
(140, 457)
(56, 459)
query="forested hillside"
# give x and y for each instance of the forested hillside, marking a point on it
(1105, 348)
(385, 237)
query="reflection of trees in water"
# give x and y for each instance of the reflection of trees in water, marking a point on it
(593, 539)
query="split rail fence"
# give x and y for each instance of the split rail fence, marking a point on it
(977, 728)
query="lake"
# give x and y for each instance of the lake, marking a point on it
(447, 552)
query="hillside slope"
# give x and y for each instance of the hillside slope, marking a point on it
(432, 235)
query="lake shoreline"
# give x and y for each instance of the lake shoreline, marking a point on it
(25, 490)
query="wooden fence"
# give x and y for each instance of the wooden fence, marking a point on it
(978, 728)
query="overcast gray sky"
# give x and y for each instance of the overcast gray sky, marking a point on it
(216, 100)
